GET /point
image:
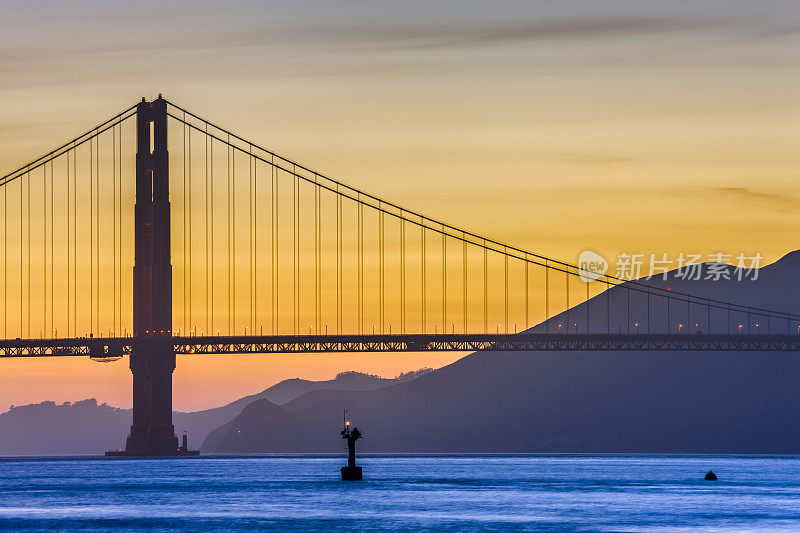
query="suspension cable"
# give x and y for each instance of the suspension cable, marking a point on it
(451, 230)
(77, 141)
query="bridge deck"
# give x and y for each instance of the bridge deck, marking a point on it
(471, 342)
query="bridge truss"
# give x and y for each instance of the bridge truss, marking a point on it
(106, 348)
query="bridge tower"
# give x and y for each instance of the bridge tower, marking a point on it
(152, 358)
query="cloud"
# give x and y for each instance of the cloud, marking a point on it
(513, 32)
(781, 202)
(594, 159)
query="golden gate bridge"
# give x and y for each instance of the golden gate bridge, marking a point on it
(274, 257)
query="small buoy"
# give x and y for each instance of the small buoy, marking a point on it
(711, 476)
(351, 472)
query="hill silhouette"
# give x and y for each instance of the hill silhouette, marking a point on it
(672, 402)
(86, 427)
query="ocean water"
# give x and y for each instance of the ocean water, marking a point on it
(402, 493)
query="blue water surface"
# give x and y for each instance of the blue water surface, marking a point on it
(402, 493)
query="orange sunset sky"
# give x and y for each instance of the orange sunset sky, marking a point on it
(648, 127)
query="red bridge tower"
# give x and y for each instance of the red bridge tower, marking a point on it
(152, 358)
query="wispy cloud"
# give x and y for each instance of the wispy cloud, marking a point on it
(456, 36)
(782, 202)
(586, 158)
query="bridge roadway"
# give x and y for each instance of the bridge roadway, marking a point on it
(110, 347)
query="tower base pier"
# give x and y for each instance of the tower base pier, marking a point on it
(178, 453)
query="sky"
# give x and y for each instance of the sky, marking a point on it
(638, 127)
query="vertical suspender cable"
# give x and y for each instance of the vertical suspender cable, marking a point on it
(360, 267)
(688, 313)
(608, 305)
(119, 228)
(185, 270)
(97, 228)
(485, 288)
(254, 246)
(527, 318)
(567, 301)
(189, 164)
(381, 316)
(91, 234)
(44, 250)
(402, 273)
(5, 261)
(338, 261)
(669, 327)
(628, 309)
(546, 297)
(295, 251)
(587, 280)
(21, 256)
(275, 270)
(52, 254)
(211, 231)
(75, 241)
(29, 257)
(464, 276)
(114, 223)
(444, 280)
(505, 281)
(319, 260)
(424, 280)
(205, 209)
(233, 237)
(255, 241)
(316, 258)
(228, 216)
